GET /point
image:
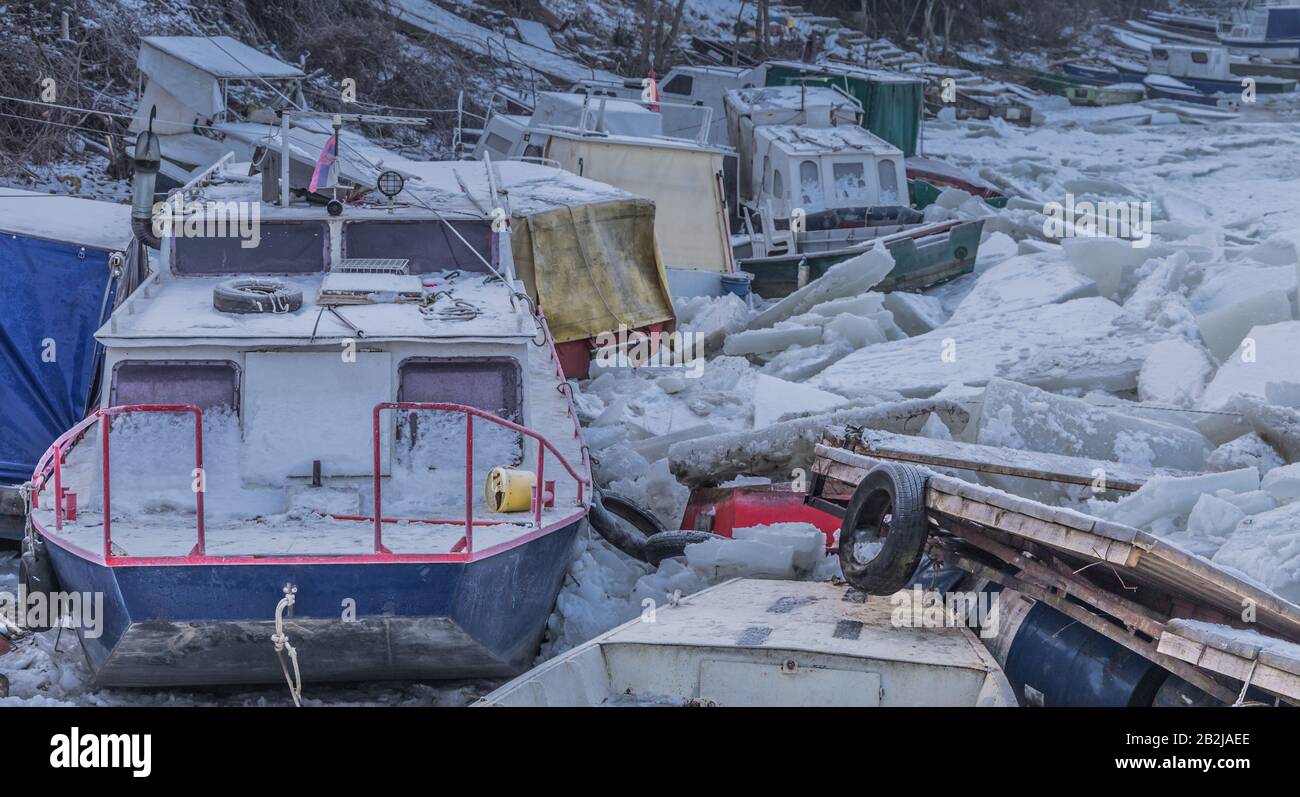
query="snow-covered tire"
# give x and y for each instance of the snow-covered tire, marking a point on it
(253, 295)
(667, 544)
(888, 507)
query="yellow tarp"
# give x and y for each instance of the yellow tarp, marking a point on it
(593, 267)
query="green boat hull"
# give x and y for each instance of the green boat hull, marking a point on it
(917, 263)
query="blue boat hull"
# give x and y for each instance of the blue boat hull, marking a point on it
(210, 624)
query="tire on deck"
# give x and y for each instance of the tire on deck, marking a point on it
(883, 535)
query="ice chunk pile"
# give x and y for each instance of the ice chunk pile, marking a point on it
(605, 588)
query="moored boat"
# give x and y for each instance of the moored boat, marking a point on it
(1115, 94)
(295, 452)
(751, 642)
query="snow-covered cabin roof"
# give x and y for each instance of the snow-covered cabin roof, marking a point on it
(850, 70)
(68, 219)
(787, 98)
(219, 56)
(529, 187)
(619, 117)
(850, 139)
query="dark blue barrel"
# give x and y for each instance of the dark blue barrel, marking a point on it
(1056, 661)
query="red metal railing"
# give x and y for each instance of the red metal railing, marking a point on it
(51, 463)
(543, 445)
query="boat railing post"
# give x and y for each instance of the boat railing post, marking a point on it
(538, 496)
(58, 486)
(106, 422)
(379, 522)
(201, 485)
(469, 485)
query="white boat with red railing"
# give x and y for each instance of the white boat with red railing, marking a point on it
(316, 416)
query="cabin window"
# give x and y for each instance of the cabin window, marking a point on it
(778, 185)
(492, 384)
(281, 248)
(1159, 54)
(850, 182)
(888, 172)
(428, 244)
(207, 384)
(680, 84)
(1200, 58)
(498, 144)
(533, 151)
(810, 183)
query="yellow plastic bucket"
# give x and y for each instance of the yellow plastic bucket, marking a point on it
(509, 490)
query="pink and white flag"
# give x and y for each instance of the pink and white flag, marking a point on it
(323, 174)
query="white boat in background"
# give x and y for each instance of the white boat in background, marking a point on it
(751, 642)
(1265, 28)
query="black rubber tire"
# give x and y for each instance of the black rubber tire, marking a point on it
(667, 544)
(254, 295)
(627, 509)
(888, 506)
(616, 531)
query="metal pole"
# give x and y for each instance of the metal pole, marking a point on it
(284, 159)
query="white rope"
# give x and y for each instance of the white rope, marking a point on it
(281, 642)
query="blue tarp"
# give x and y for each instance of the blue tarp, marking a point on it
(51, 295)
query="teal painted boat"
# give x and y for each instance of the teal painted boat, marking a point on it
(924, 255)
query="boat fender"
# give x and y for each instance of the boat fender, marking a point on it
(883, 536)
(622, 523)
(251, 295)
(36, 575)
(667, 544)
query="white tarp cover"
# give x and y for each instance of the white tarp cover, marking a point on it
(190, 68)
(683, 183)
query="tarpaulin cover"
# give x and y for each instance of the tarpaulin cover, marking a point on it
(891, 107)
(593, 267)
(684, 184)
(50, 300)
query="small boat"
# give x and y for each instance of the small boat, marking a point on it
(1167, 88)
(304, 437)
(751, 642)
(1209, 70)
(1116, 94)
(1269, 29)
(924, 254)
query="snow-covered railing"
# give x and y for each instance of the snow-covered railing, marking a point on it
(51, 464)
(539, 499)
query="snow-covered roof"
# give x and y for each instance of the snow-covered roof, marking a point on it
(619, 116)
(179, 310)
(851, 70)
(799, 140)
(219, 56)
(73, 220)
(788, 98)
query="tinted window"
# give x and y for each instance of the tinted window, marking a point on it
(204, 383)
(680, 84)
(493, 384)
(1200, 58)
(282, 248)
(428, 245)
(888, 182)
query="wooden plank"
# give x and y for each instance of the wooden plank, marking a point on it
(1235, 664)
(1004, 461)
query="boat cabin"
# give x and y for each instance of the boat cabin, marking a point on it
(1186, 61)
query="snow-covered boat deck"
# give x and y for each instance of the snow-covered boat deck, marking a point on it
(152, 519)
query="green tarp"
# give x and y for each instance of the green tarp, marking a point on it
(891, 103)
